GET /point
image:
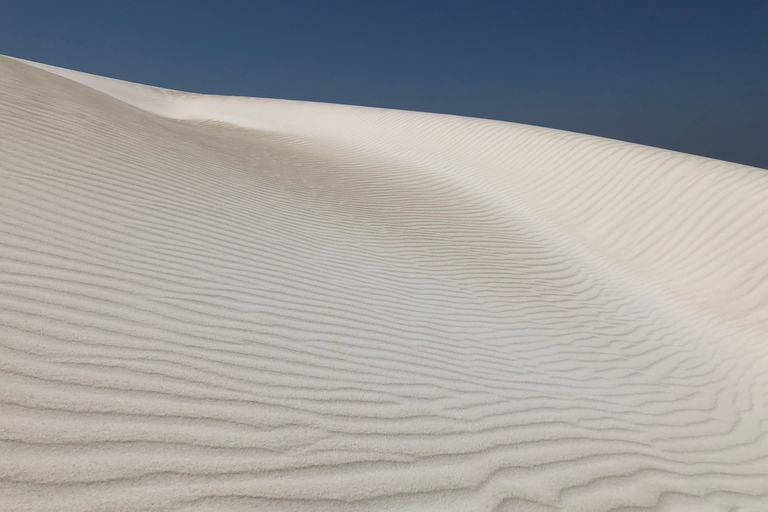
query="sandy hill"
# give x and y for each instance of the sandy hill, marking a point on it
(219, 303)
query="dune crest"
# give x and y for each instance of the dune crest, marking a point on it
(220, 303)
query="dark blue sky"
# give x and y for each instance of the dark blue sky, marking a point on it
(685, 75)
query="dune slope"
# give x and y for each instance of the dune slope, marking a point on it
(217, 303)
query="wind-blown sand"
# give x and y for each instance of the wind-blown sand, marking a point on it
(217, 303)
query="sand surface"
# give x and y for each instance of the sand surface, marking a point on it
(236, 304)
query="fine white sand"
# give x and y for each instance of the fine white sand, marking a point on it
(217, 303)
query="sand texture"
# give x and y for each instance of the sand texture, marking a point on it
(216, 303)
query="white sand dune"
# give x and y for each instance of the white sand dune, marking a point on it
(217, 303)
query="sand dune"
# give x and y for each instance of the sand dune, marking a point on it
(218, 303)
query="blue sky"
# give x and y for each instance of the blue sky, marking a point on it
(685, 75)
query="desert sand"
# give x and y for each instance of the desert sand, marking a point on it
(224, 303)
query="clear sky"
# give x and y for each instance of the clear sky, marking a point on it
(685, 75)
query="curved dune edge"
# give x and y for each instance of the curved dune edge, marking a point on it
(218, 303)
(693, 228)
